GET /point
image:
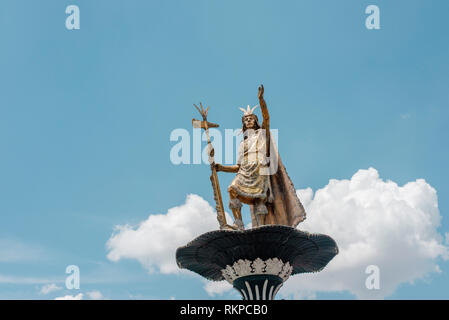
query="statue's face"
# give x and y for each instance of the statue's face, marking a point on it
(249, 122)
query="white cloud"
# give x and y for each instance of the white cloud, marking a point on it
(46, 289)
(95, 295)
(154, 241)
(79, 296)
(216, 287)
(374, 222)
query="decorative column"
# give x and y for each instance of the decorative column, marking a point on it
(258, 279)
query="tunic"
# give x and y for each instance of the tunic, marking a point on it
(250, 181)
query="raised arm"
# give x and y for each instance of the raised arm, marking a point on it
(266, 120)
(264, 109)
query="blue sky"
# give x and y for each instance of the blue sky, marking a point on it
(86, 116)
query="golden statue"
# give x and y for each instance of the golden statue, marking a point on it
(261, 181)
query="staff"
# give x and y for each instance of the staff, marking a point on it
(213, 178)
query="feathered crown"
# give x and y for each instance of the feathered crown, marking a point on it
(248, 111)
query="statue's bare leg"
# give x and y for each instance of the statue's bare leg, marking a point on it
(261, 212)
(261, 219)
(236, 207)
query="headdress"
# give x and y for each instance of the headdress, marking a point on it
(248, 111)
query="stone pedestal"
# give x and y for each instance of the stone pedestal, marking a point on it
(256, 261)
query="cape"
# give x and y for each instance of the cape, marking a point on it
(284, 206)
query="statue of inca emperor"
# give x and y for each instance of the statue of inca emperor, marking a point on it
(261, 181)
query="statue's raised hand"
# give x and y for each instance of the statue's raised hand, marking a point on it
(261, 92)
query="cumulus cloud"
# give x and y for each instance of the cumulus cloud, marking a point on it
(95, 295)
(216, 287)
(374, 222)
(48, 288)
(79, 296)
(154, 241)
